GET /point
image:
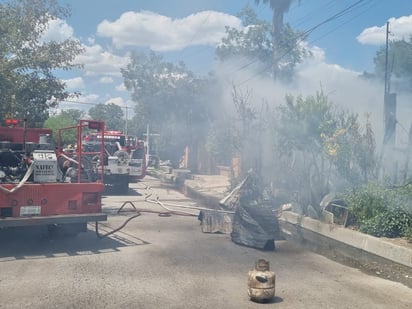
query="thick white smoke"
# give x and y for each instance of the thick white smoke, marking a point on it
(344, 87)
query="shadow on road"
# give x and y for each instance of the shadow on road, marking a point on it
(274, 300)
(36, 243)
(114, 192)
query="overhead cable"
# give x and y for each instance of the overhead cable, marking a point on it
(304, 35)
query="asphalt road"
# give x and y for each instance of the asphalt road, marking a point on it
(167, 262)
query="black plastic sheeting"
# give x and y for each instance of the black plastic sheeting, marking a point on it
(255, 226)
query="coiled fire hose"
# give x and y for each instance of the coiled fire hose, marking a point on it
(139, 211)
(169, 212)
(21, 183)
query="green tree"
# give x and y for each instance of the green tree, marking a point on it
(28, 86)
(62, 120)
(253, 43)
(279, 8)
(256, 43)
(399, 62)
(110, 113)
(137, 125)
(161, 89)
(171, 99)
(74, 114)
(321, 147)
(221, 142)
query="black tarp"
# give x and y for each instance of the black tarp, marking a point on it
(255, 225)
(255, 220)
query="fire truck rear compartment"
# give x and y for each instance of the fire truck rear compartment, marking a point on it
(36, 190)
(38, 203)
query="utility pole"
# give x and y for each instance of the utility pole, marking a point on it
(127, 117)
(148, 135)
(386, 60)
(389, 99)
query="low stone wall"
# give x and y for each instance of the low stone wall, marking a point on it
(208, 200)
(370, 254)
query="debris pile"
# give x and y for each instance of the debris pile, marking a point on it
(255, 222)
(255, 219)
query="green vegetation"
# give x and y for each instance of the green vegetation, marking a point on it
(284, 41)
(315, 147)
(321, 148)
(400, 57)
(171, 99)
(28, 86)
(381, 211)
(271, 53)
(110, 113)
(66, 118)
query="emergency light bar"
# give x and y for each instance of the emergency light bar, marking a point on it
(10, 121)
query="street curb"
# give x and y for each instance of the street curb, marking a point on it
(370, 254)
(366, 244)
(367, 253)
(207, 199)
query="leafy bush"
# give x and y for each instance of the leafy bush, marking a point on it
(324, 146)
(391, 223)
(408, 233)
(367, 202)
(381, 211)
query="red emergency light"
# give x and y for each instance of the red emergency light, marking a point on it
(10, 121)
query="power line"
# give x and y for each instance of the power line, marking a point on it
(204, 21)
(205, 48)
(337, 15)
(244, 66)
(310, 14)
(90, 103)
(372, 4)
(195, 34)
(304, 35)
(78, 102)
(201, 24)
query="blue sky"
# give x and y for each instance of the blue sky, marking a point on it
(189, 30)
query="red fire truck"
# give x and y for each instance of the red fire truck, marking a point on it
(42, 185)
(126, 148)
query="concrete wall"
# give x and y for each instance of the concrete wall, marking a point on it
(372, 254)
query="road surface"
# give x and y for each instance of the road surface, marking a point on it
(167, 262)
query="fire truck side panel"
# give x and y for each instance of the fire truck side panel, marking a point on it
(16, 134)
(50, 199)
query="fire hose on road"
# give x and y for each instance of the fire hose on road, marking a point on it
(153, 198)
